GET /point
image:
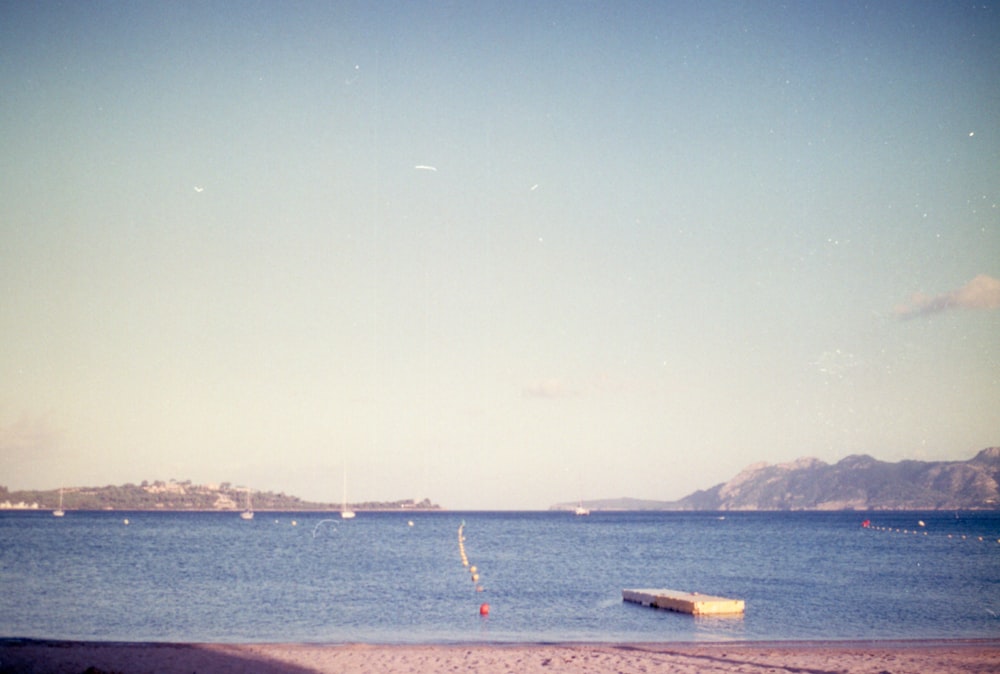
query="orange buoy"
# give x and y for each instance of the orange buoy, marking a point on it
(484, 609)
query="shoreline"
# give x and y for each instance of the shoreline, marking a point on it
(916, 656)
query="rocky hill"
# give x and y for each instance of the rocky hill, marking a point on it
(858, 482)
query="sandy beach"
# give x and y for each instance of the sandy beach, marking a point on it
(907, 657)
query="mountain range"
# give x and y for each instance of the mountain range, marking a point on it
(857, 482)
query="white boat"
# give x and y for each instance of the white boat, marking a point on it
(580, 510)
(59, 512)
(248, 513)
(345, 512)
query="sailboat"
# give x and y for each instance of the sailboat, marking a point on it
(59, 512)
(581, 511)
(248, 513)
(345, 512)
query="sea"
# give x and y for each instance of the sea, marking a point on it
(399, 577)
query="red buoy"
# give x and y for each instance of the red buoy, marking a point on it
(484, 609)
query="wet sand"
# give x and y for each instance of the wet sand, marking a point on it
(902, 657)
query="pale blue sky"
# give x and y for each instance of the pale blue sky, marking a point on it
(662, 241)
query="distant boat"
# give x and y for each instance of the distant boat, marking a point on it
(345, 512)
(59, 512)
(248, 513)
(580, 510)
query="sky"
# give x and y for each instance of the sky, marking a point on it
(500, 255)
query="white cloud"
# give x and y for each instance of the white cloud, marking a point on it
(982, 292)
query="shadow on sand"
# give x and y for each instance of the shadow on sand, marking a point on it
(35, 656)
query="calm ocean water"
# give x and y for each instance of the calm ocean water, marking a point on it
(398, 577)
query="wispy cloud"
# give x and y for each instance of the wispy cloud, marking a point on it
(554, 388)
(549, 389)
(982, 292)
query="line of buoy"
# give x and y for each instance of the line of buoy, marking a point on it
(473, 571)
(484, 609)
(866, 524)
(461, 544)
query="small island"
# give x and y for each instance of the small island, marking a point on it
(183, 495)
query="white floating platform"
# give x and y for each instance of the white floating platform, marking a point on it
(685, 602)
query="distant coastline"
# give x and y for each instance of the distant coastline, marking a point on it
(857, 482)
(184, 496)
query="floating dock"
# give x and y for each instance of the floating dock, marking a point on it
(685, 602)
